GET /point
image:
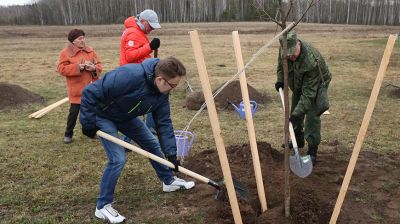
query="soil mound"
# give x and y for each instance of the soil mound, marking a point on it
(374, 189)
(395, 93)
(231, 92)
(13, 95)
(194, 100)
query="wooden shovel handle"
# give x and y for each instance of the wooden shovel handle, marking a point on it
(291, 130)
(151, 156)
(156, 53)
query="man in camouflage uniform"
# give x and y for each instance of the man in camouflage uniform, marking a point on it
(309, 78)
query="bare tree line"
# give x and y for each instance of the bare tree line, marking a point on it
(69, 12)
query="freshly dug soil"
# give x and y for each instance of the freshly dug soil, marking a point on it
(373, 195)
(13, 95)
(194, 100)
(395, 93)
(231, 92)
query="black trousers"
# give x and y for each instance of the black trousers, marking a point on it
(72, 117)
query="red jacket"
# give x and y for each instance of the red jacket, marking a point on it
(68, 66)
(135, 46)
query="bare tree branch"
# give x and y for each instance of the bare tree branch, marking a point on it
(289, 10)
(266, 15)
(313, 2)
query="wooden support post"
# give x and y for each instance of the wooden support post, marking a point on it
(364, 127)
(249, 119)
(212, 113)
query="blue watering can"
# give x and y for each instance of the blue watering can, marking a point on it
(184, 141)
(241, 110)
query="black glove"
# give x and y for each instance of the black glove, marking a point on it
(278, 85)
(155, 44)
(90, 132)
(175, 161)
(294, 119)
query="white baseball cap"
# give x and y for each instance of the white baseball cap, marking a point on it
(151, 17)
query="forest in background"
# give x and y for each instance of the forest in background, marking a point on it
(71, 12)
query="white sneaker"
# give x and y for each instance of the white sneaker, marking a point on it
(110, 214)
(178, 184)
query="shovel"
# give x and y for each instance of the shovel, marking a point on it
(300, 165)
(221, 192)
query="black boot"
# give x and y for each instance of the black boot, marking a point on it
(312, 151)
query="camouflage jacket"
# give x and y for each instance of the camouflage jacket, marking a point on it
(306, 75)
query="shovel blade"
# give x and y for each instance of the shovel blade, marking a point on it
(241, 191)
(301, 166)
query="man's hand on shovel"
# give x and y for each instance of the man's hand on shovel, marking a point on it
(174, 161)
(90, 132)
(240, 189)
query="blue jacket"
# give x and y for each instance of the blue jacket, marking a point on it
(125, 93)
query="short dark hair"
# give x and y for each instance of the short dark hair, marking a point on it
(75, 33)
(170, 67)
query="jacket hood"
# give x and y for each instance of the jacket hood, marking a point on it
(149, 66)
(130, 22)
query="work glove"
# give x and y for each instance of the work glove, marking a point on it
(294, 118)
(155, 44)
(175, 161)
(278, 85)
(90, 132)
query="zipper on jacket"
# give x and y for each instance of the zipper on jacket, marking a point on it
(149, 109)
(135, 107)
(105, 108)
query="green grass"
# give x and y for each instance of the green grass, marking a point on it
(45, 181)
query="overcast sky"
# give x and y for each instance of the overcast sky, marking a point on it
(15, 2)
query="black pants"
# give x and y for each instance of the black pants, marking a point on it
(72, 117)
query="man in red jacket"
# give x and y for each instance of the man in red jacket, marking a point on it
(135, 46)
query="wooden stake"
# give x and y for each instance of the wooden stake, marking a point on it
(249, 119)
(364, 127)
(42, 112)
(212, 113)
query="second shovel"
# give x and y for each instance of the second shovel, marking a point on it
(300, 165)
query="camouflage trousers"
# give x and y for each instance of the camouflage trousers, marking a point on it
(307, 126)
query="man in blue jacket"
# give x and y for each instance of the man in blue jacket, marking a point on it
(114, 104)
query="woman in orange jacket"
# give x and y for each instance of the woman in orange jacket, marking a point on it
(80, 66)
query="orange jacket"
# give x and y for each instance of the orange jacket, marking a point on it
(135, 46)
(68, 66)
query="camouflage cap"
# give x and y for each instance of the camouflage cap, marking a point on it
(291, 42)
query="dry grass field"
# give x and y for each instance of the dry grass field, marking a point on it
(45, 181)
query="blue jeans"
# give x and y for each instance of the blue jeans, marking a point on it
(150, 124)
(136, 130)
